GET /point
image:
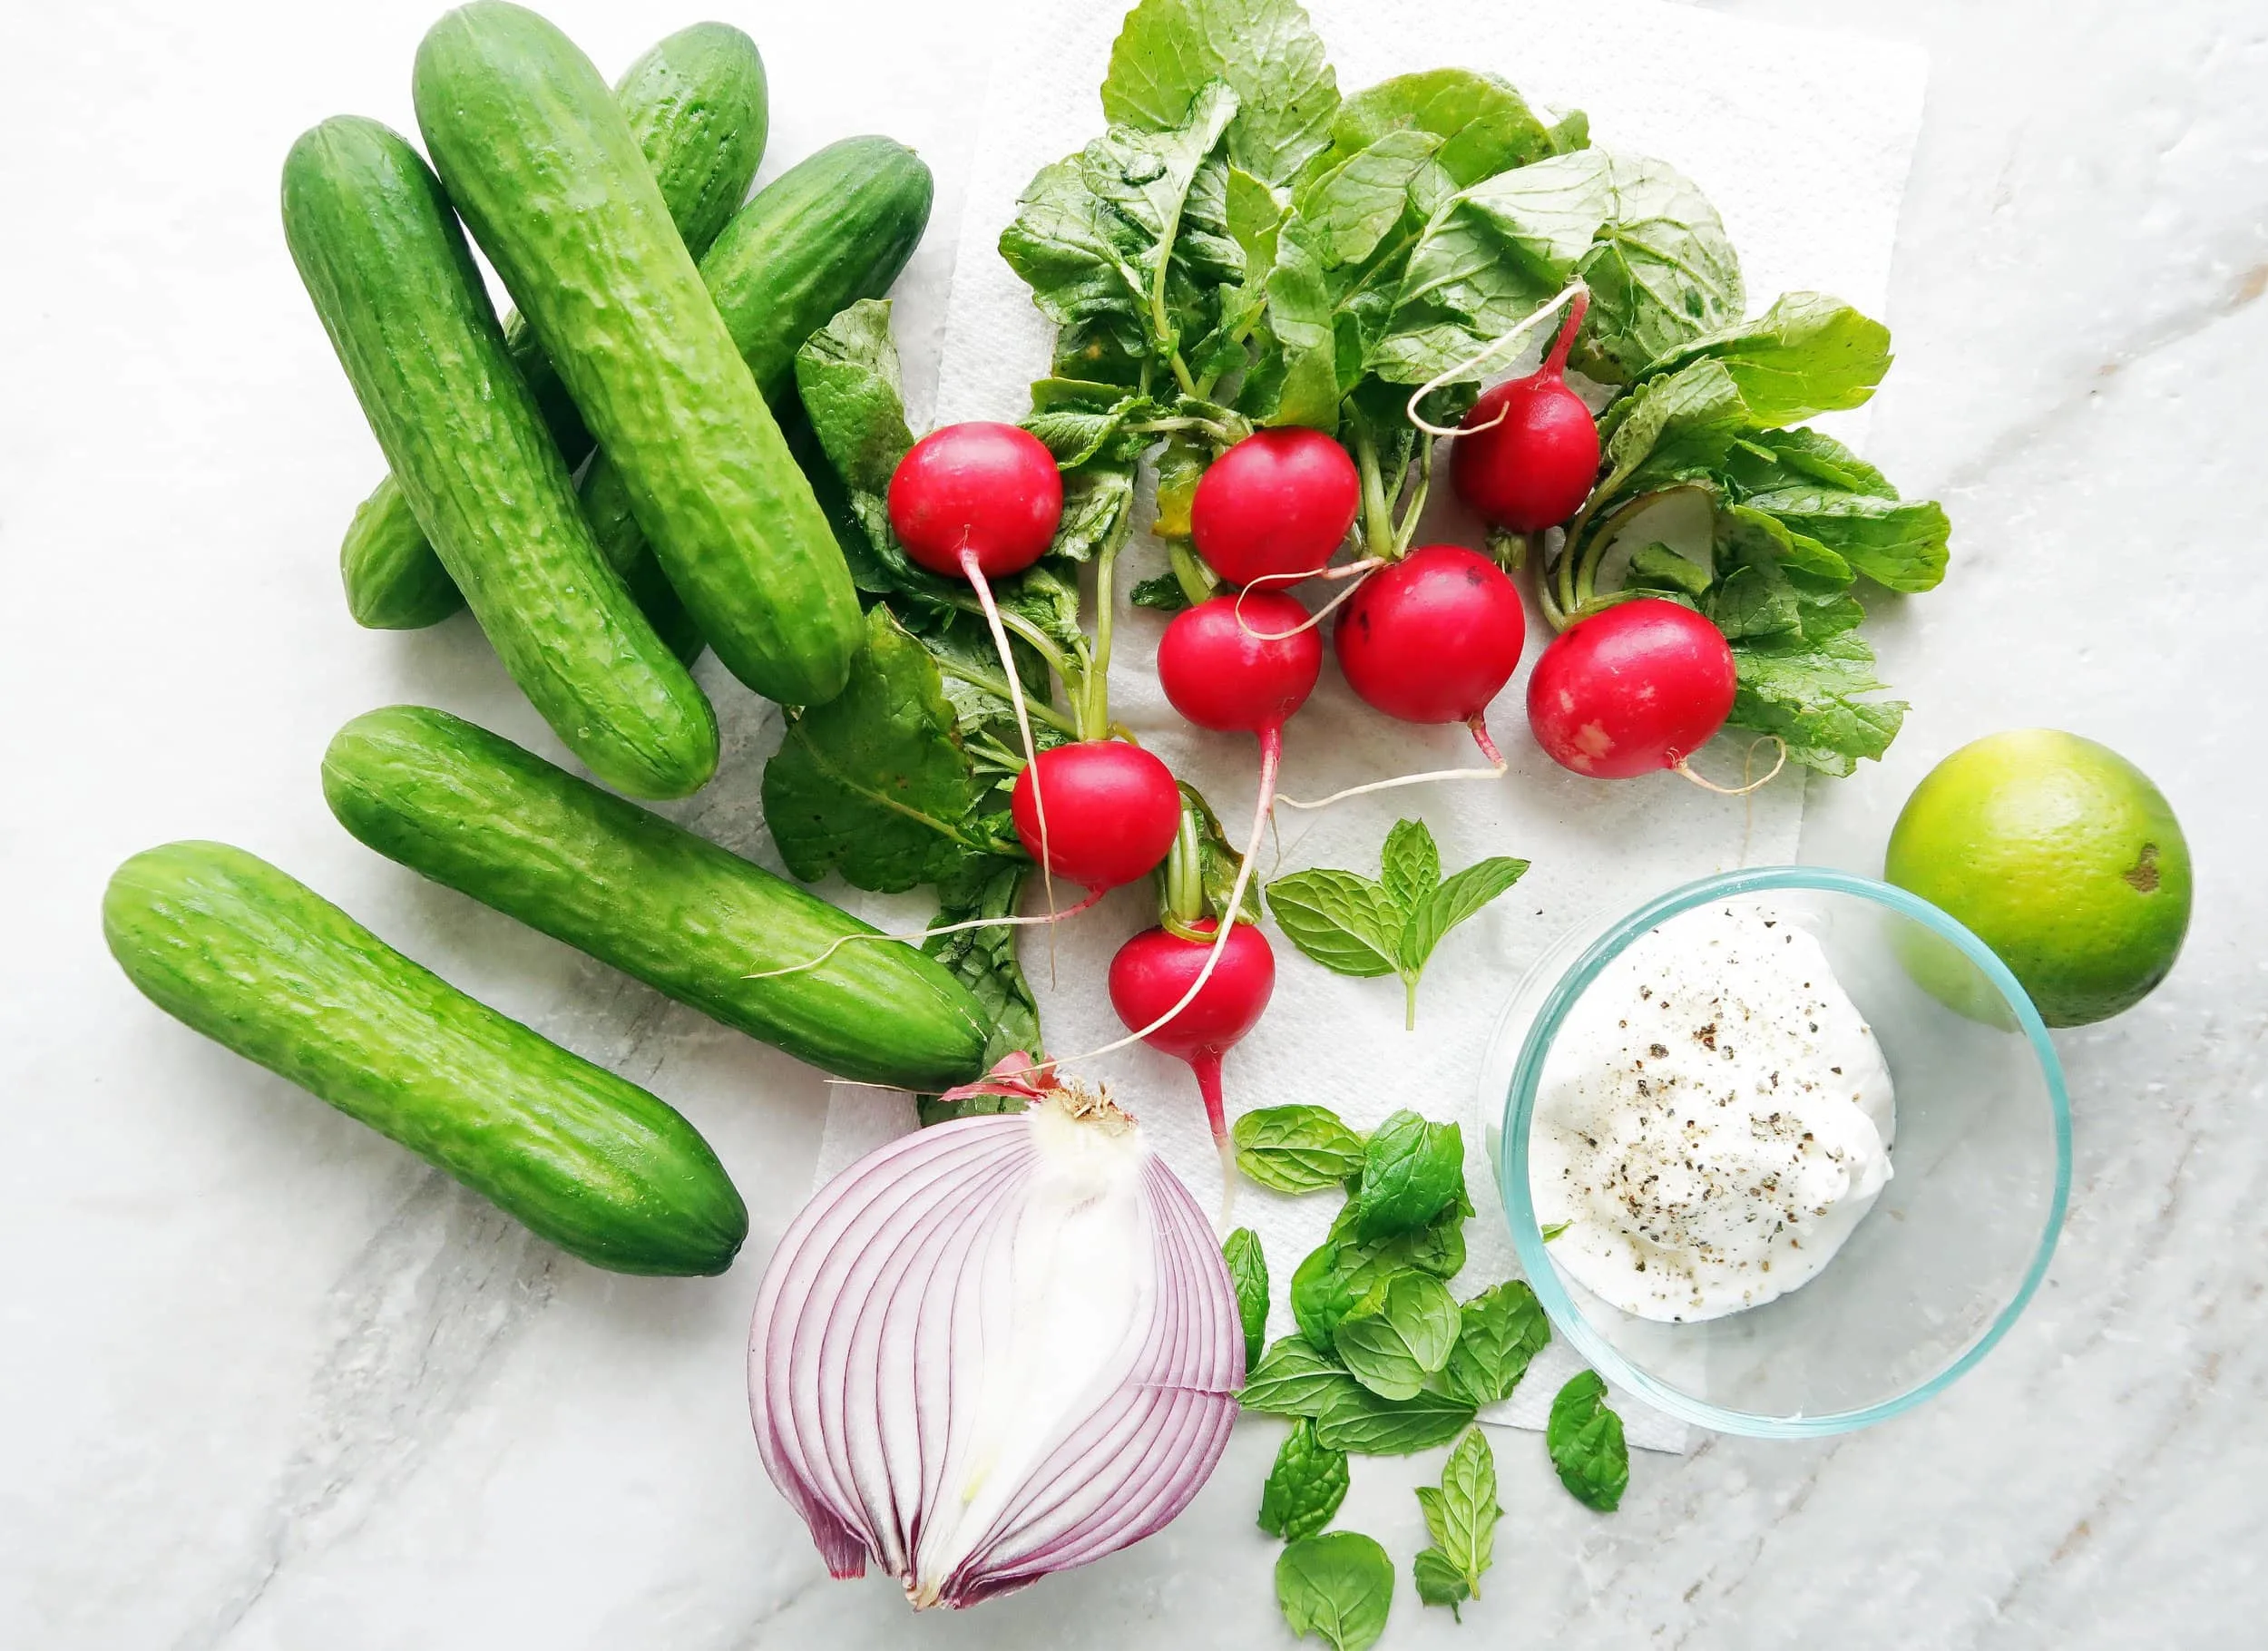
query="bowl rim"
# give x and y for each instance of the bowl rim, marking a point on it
(1527, 1077)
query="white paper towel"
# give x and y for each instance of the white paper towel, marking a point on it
(1803, 141)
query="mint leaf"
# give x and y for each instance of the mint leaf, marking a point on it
(1305, 1486)
(1412, 1170)
(1461, 1516)
(1483, 125)
(873, 784)
(1808, 354)
(1342, 1270)
(1461, 896)
(1499, 1331)
(1265, 50)
(1585, 1439)
(1346, 922)
(1295, 1149)
(1326, 1288)
(1292, 1379)
(1338, 1586)
(1354, 926)
(1399, 1335)
(1439, 1581)
(1248, 1273)
(1410, 865)
(1354, 1419)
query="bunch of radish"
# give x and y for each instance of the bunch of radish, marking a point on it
(1429, 634)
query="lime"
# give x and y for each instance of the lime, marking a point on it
(2060, 856)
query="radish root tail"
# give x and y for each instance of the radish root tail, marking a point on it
(1092, 900)
(1685, 766)
(1497, 769)
(1356, 571)
(1573, 292)
(974, 572)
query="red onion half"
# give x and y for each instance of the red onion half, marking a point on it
(994, 1349)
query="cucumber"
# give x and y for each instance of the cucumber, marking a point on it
(395, 287)
(260, 963)
(699, 106)
(547, 175)
(692, 921)
(830, 231)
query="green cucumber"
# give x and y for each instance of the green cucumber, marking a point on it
(546, 173)
(399, 294)
(260, 963)
(830, 231)
(699, 106)
(474, 811)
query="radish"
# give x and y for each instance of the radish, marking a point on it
(1116, 810)
(1275, 507)
(979, 500)
(1632, 688)
(1189, 989)
(1434, 637)
(983, 501)
(1241, 664)
(1233, 664)
(1528, 451)
(1151, 986)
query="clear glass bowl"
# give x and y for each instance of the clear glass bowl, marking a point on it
(1936, 1272)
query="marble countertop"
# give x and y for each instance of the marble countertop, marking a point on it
(266, 1381)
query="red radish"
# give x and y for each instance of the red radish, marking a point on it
(1434, 637)
(1240, 665)
(1275, 507)
(1527, 452)
(1113, 811)
(983, 501)
(976, 493)
(1634, 687)
(1153, 972)
(1232, 675)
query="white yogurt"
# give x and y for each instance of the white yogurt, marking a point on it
(1714, 1118)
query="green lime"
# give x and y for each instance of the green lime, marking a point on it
(2060, 856)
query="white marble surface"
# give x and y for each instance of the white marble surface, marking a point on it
(267, 1383)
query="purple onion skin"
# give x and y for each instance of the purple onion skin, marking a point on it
(1108, 1479)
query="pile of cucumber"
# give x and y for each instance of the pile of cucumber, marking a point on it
(604, 479)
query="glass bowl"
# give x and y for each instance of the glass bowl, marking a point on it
(1939, 1268)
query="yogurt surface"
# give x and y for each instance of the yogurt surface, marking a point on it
(1714, 1118)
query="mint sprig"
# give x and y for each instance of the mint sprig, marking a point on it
(1391, 924)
